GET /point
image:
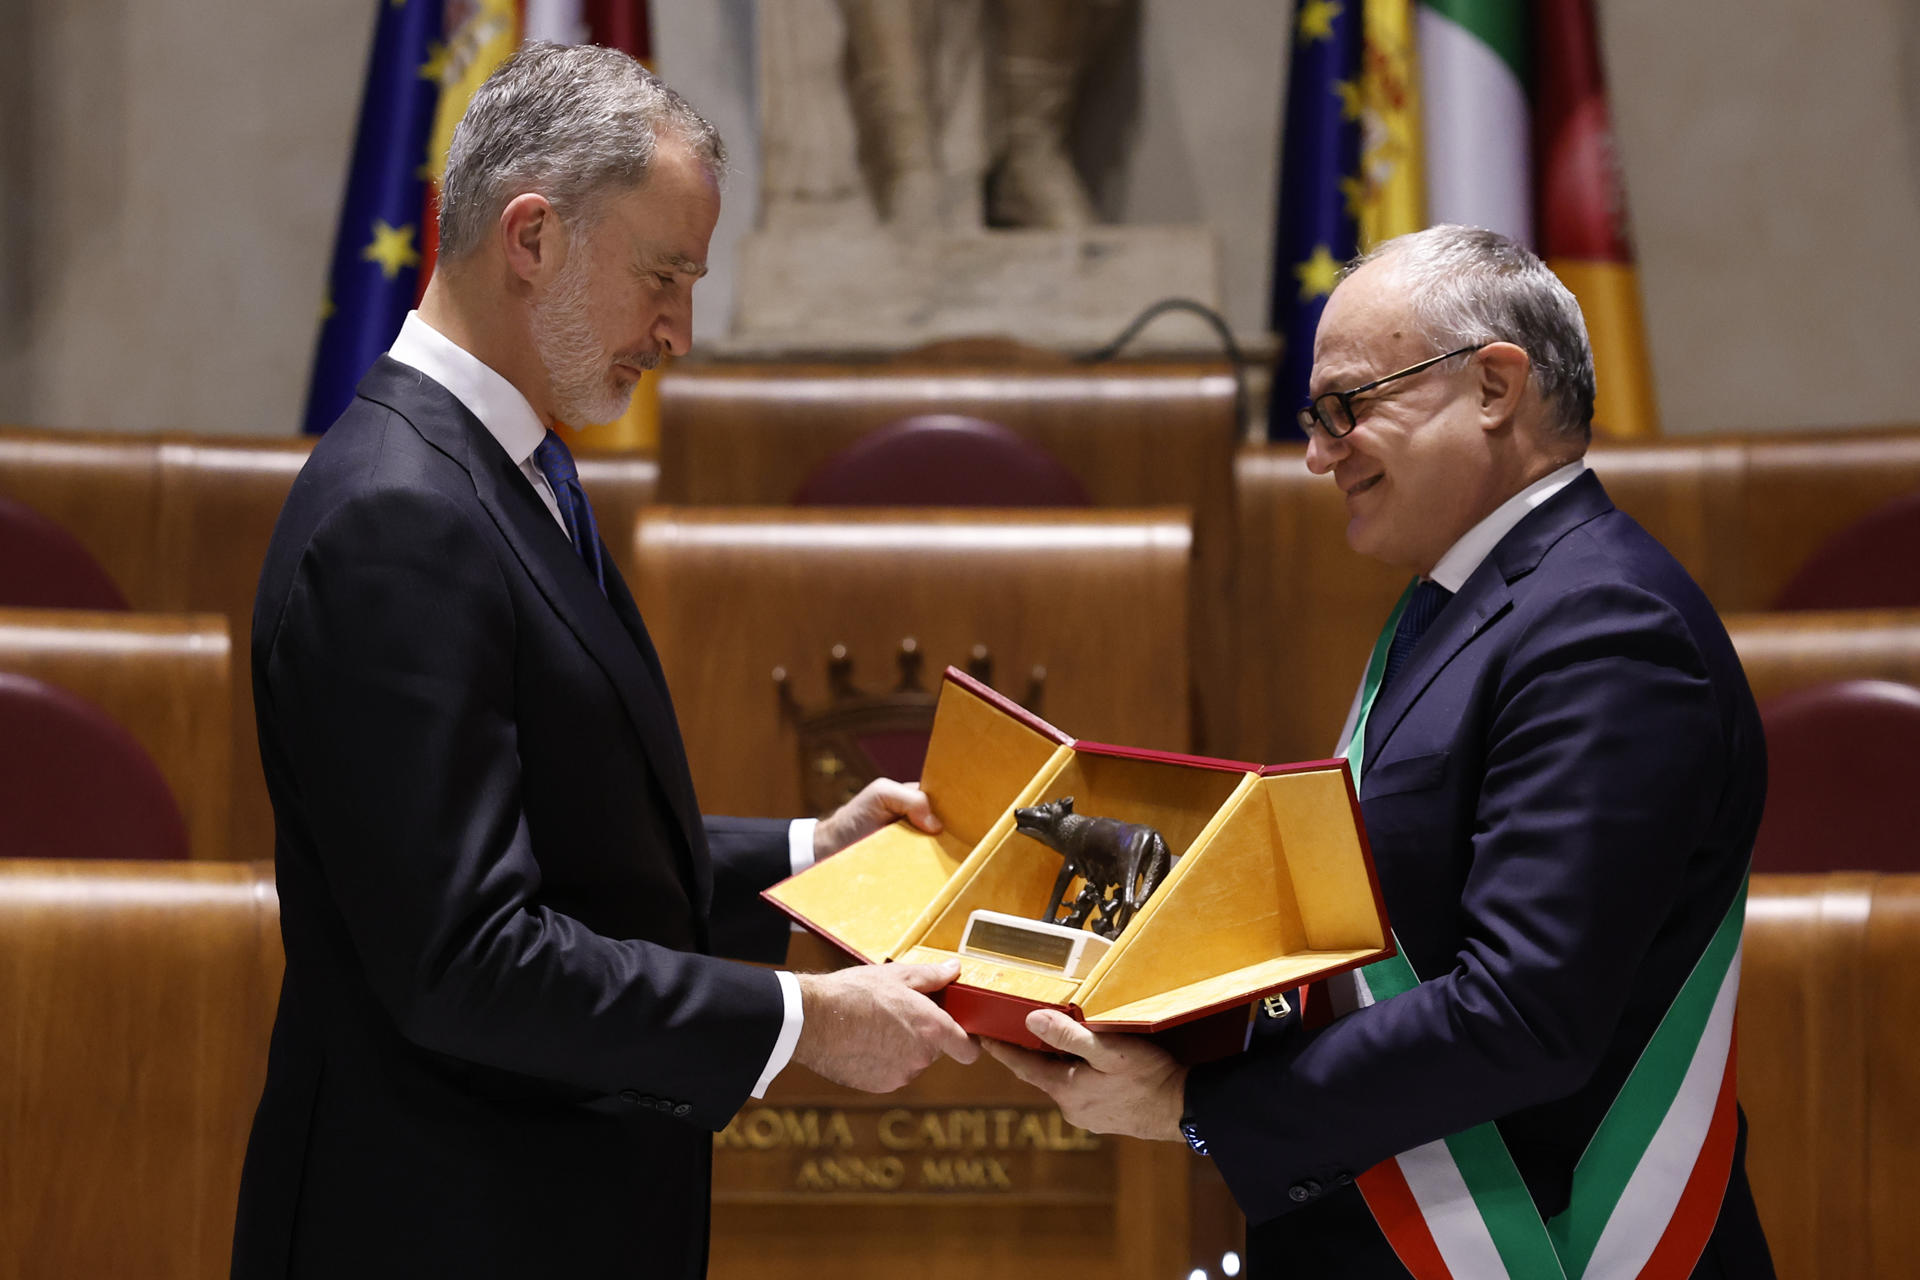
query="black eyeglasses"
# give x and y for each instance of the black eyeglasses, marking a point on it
(1332, 411)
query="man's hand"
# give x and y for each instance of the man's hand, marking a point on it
(1122, 1084)
(871, 1027)
(879, 804)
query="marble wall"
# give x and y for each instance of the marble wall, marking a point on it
(170, 172)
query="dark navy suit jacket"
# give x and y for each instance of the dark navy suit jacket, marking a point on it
(1561, 793)
(502, 1041)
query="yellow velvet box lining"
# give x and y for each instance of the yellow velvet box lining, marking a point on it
(1270, 886)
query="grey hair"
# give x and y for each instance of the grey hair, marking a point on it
(572, 122)
(1467, 285)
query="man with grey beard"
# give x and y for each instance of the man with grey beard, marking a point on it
(506, 1034)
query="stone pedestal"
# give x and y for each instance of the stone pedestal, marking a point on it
(813, 291)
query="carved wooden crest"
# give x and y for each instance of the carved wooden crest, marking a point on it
(858, 736)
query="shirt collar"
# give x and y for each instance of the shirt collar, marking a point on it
(1464, 556)
(502, 410)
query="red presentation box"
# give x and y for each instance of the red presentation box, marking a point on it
(1273, 885)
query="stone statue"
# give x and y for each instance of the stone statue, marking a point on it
(945, 124)
(1043, 49)
(957, 111)
(902, 58)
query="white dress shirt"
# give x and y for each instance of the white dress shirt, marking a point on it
(510, 419)
(1477, 543)
(1474, 546)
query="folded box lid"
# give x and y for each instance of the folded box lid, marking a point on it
(1279, 890)
(984, 758)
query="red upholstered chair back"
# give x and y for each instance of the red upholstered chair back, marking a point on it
(942, 460)
(42, 566)
(74, 784)
(1873, 563)
(1842, 759)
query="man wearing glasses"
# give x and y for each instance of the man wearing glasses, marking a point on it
(1561, 771)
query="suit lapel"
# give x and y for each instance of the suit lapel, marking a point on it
(549, 557)
(1483, 598)
(676, 781)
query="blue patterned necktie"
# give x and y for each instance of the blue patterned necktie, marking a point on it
(1428, 599)
(556, 464)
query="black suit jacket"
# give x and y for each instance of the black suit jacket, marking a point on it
(1561, 792)
(502, 1041)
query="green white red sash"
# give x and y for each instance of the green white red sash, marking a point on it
(1647, 1190)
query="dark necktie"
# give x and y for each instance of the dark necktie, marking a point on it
(556, 463)
(1428, 599)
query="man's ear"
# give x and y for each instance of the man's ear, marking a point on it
(532, 238)
(1504, 369)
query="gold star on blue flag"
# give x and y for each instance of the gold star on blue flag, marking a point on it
(392, 248)
(375, 277)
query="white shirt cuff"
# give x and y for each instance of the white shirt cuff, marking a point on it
(789, 1032)
(800, 853)
(800, 843)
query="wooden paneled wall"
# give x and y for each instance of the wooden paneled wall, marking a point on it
(166, 678)
(967, 1172)
(1098, 598)
(1135, 434)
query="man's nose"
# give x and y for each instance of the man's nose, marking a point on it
(673, 329)
(1323, 451)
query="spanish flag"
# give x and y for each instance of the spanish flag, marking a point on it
(428, 58)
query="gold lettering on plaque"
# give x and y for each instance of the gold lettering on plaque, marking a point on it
(945, 1173)
(896, 1130)
(851, 1173)
(765, 1128)
(814, 1151)
(974, 1129)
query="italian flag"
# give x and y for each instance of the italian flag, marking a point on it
(1479, 128)
(1539, 166)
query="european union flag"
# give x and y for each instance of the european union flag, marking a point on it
(376, 253)
(1321, 189)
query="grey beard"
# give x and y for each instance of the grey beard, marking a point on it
(578, 365)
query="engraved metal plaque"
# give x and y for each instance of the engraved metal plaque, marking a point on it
(1034, 944)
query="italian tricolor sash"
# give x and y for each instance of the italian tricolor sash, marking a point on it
(1646, 1191)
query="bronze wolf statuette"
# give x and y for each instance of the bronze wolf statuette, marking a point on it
(1121, 862)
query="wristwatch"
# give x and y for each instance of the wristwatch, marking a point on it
(1192, 1134)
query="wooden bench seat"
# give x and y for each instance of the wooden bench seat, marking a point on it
(135, 1003)
(165, 678)
(1739, 513)
(137, 1000)
(1782, 652)
(182, 523)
